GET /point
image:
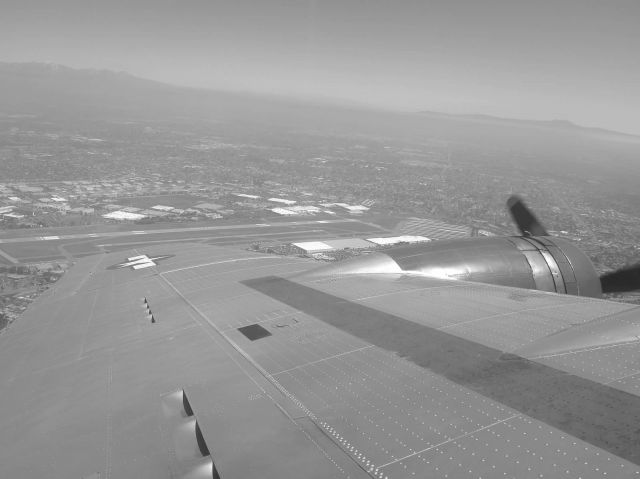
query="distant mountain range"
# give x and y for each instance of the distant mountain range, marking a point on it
(41, 88)
(548, 124)
(55, 91)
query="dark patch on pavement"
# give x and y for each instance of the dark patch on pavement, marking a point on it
(254, 332)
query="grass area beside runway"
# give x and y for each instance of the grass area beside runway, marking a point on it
(22, 251)
(43, 259)
(82, 249)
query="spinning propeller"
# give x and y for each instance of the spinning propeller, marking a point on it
(621, 280)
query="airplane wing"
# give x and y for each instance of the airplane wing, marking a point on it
(216, 362)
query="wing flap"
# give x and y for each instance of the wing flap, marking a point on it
(248, 435)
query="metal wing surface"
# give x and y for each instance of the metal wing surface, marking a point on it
(246, 365)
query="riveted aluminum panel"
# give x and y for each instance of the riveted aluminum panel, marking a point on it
(439, 409)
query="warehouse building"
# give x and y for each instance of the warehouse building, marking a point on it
(283, 201)
(310, 247)
(349, 243)
(353, 209)
(284, 212)
(244, 195)
(297, 210)
(123, 216)
(162, 208)
(304, 209)
(313, 247)
(6, 209)
(398, 240)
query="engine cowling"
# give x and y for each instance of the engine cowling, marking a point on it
(542, 263)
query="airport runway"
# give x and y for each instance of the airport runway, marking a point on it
(142, 231)
(48, 248)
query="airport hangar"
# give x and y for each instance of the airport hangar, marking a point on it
(314, 247)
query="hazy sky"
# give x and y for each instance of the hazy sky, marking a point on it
(541, 59)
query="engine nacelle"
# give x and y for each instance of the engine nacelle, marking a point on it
(542, 263)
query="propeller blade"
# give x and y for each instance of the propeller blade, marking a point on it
(526, 221)
(625, 279)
